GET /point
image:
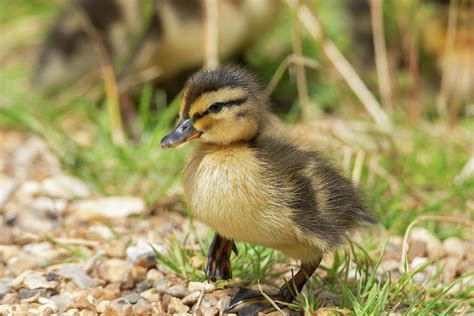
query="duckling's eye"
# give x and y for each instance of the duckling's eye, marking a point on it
(216, 107)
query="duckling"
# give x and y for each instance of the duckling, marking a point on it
(252, 179)
(170, 44)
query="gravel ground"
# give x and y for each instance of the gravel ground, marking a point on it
(65, 250)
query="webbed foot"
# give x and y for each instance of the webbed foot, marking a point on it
(249, 302)
(218, 261)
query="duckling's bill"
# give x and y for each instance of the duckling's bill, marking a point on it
(182, 133)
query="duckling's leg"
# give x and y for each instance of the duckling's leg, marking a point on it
(218, 260)
(248, 302)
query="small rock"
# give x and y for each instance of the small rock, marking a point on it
(454, 247)
(119, 307)
(191, 298)
(86, 312)
(177, 291)
(45, 204)
(143, 286)
(8, 251)
(154, 276)
(78, 276)
(42, 252)
(176, 306)
(208, 301)
(209, 311)
(223, 303)
(433, 245)
(142, 307)
(102, 306)
(138, 273)
(108, 207)
(7, 186)
(83, 300)
(200, 286)
(10, 299)
(29, 188)
(151, 295)
(26, 294)
(63, 300)
(449, 269)
(143, 252)
(65, 187)
(417, 249)
(390, 265)
(4, 289)
(114, 270)
(38, 281)
(132, 298)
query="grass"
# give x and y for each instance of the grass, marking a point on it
(417, 164)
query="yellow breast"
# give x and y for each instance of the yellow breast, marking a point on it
(228, 191)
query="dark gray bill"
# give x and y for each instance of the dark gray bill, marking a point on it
(182, 133)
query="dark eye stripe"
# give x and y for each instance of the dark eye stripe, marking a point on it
(236, 102)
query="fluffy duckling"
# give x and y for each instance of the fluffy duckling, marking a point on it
(172, 42)
(251, 179)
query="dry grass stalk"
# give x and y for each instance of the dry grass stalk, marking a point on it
(443, 96)
(425, 218)
(211, 33)
(380, 50)
(108, 75)
(301, 82)
(289, 60)
(414, 112)
(346, 70)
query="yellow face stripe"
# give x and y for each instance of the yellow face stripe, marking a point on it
(203, 102)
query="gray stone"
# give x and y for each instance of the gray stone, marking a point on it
(4, 289)
(132, 298)
(78, 276)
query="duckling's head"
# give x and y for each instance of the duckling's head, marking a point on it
(220, 106)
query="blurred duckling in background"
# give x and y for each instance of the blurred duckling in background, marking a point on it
(173, 40)
(251, 179)
(455, 55)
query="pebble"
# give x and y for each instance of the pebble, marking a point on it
(417, 249)
(4, 289)
(114, 270)
(7, 187)
(151, 295)
(208, 301)
(143, 286)
(39, 281)
(65, 187)
(102, 306)
(28, 293)
(390, 265)
(46, 204)
(200, 286)
(142, 252)
(191, 298)
(224, 302)
(42, 252)
(154, 276)
(108, 207)
(433, 245)
(176, 306)
(63, 300)
(178, 290)
(132, 298)
(454, 247)
(209, 311)
(78, 276)
(119, 307)
(8, 251)
(83, 300)
(142, 307)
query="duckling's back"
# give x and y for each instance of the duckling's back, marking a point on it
(323, 202)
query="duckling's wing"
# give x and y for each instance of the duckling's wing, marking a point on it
(324, 203)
